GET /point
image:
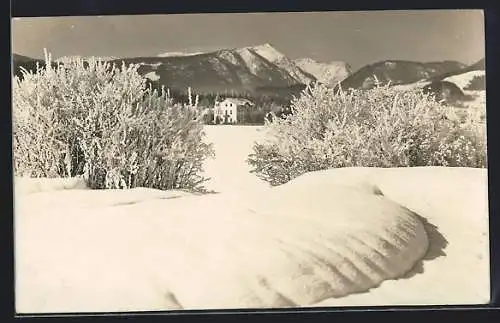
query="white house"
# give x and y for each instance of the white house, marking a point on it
(226, 111)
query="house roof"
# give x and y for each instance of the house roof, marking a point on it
(238, 101)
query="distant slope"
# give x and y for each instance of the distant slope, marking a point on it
(471, 77)
(461, 85)
(478, 66)
(326, 73)
(465, 80)
(468, 80)
(398, 72)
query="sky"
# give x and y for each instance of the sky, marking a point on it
(358, 38)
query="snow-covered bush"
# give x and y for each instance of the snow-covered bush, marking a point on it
(381, 127)
(100, 121)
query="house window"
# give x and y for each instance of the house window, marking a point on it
(230, 111)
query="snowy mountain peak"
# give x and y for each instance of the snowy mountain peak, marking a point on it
(268, 52)
(274, 56)
(329, 73)
(265, 46)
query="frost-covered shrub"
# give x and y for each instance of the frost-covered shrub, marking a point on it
(101, 122)
(381, 127)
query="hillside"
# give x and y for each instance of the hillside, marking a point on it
(478, 66)
(327, 73)
(466, 85)
(398, 72)
(473, 80)
(471, 77)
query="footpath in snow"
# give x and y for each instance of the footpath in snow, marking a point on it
(229, 171)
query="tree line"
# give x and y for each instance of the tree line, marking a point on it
(265, 105)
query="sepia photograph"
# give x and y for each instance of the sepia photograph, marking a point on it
(225, 161)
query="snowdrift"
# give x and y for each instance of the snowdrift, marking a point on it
(354, 236)
(26, 185)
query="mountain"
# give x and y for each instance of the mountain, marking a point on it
(478, 66)
(451, 81)
(242, 70)
(471, 77)
(469, 80)
(327, 73)
(263, 70)
(272, 55)
(465, 85)
(260, 69)
(398, 72)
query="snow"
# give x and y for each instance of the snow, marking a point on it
(478, 101)
(26, 185)
(250, 60)
(274, 56)
(463, 80)
(229, 56)
(178, 54)
(154, 65)
(454, 202)
(229, 172)
(268, 52)
(340, 237)
(152, 76)
(329, 73)
(410, 86)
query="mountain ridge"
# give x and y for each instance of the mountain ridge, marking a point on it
(264, 69)
(237, 69)
(398, 72)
